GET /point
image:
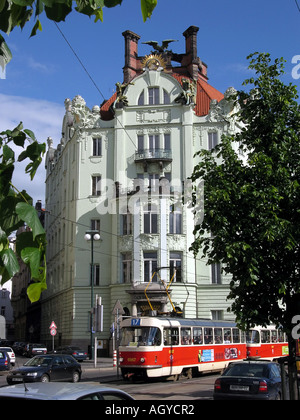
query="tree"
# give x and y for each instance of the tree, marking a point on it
(251, 218)
(15, 206)
(16, 210)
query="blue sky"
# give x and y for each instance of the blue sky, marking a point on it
(44, 71)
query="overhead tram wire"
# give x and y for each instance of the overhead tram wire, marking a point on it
(297, 4)
(90, 77)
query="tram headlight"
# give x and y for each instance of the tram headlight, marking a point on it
(121, 359)
(142, 360)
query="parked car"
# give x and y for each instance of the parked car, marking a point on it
(256, 380)
(4, 361)
(11, 354)
(56, 391)
(74, 351)
(35, 349)
(46, 368)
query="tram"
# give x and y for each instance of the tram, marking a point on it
(155, 347)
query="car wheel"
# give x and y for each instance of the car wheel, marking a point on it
(75, 377)
(45, 379)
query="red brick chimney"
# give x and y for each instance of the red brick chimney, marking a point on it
(132, 64)
(191, 59)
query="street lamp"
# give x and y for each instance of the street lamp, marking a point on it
(92, 235)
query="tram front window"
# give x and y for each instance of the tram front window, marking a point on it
(252, 337)
(141, 336)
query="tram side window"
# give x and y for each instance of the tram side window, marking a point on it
(208, 336)
(280, 336)
(274, 338)
(265, 336)
(197, 336)
(236, 335)
(186, 336)
(218, 336)
(227, 336)
(252, 337)
(171, 336)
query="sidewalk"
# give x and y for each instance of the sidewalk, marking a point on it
(104, 371)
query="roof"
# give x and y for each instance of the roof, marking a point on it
(205, 93)
(54, 391)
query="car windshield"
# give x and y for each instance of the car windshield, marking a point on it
(248, 370)
(39, 361)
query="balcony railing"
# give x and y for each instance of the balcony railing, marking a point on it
(153, 154)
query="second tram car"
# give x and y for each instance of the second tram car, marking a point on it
(156, 347)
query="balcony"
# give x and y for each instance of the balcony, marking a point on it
(152, 155)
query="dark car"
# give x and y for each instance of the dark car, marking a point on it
(74, 351)
(35, 349)
(4, 361)
(46, 368)
(256, 380)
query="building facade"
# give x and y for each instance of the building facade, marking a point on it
(121, 169)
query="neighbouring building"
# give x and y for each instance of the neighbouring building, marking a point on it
(121, 169)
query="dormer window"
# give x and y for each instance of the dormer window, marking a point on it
(153, 96)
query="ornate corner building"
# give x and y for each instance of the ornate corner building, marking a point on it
(122, 169)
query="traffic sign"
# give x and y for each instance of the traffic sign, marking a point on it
(53, 325)
(118, 309)
(53, 332)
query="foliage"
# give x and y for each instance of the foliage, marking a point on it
(16, 210)
(15, 13)
(251, 218)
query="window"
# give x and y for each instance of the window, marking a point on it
(95, 224)
(127, 223)
(218, 336)
(171, 336)
(126, 267)
(216, 273)
(265, 336)
(175, 266)
(153, 143)
(166, 97)
(167, 141)
(217, 315)
(227, 335)
(208, 336)
(175, 219)
(150, 266)
(236, 335)
(186, 336)
(96, 185)
(97, 147)
(140, 143)
(150, 219)
(96, 274)
(153, 95)
(212, 140)
(141, 100)
(197, 335)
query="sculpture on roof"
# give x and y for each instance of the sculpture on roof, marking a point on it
(121, 98)
(160, 48)
(188, 94)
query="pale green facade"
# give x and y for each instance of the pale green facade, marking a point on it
(109, 173)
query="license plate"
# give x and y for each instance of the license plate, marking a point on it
(17, 379)
(239, 388)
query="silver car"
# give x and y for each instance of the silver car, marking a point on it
(62, 391)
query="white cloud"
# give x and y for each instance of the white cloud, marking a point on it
(44, 118)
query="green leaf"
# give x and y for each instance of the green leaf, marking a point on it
(34, 291)
(10, 261)
(147, 7)
(58, 11)
(112, 3)
(37, 26)
(32, 257)
(28, 213)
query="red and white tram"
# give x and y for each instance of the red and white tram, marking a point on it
(156, 347)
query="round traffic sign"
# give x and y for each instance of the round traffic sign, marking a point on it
(53, 332)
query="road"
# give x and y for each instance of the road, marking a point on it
(154, 390)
